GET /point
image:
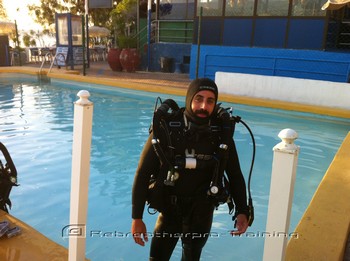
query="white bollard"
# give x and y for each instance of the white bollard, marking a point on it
(82, 133)
(281, 196)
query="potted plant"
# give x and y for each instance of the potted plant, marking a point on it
(124, 20)
(129, 56)
(114, 60)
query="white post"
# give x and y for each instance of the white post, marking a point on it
(82, 131)
(281, 195)
(86, 5)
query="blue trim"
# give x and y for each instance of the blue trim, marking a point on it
(237, 32)
(270, 32)
(306, 34)
(212, 32)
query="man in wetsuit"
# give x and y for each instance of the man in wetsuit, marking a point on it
(188, 202)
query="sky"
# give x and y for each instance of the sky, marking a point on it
(22, 17)
(17, 10)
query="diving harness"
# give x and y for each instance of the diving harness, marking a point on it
(219, 182)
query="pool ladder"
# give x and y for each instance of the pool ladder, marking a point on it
(52, 61)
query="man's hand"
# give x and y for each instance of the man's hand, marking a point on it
(241, 225)
(139, 232)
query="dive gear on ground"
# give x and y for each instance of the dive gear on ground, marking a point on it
(6, 229)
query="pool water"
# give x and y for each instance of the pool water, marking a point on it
(36, 123)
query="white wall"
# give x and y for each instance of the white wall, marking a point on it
(305, 91)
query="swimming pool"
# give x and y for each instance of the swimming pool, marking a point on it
(36, 126)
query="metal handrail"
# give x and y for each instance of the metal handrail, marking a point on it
(42, 63)
(55, 59)
(156, 37)
(159, 30)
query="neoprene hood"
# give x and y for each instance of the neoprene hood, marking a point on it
(200, 84)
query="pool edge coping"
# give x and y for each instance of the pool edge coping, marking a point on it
(275, 104)
(324, 228)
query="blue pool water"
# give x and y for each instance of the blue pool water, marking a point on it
(36, 126)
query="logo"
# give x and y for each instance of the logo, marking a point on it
(78, 231)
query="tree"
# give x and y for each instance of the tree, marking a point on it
(124, 18)
(31, 38)
(28, 40)
(2, 10)
(45, 12)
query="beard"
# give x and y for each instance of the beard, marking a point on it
(201, 111)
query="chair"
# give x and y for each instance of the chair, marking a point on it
(101, 53)
(34, 54)
(44, 52)
(93, 55)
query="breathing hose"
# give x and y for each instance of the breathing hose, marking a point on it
(250, 200)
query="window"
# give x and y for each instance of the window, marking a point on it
(308, 8)
(273, 7)
(62, 30)
(239, 8)
(210, 7)
(76, 30)
(176, 9)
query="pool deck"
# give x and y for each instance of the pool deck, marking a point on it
(323, 230)
(29, 244)
(100, 71)
(167, 83)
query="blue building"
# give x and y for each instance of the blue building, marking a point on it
(294, 38)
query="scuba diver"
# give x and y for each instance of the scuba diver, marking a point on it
(188, 167)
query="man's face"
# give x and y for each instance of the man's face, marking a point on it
(203, 104)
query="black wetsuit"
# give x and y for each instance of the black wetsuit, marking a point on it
(188, 210)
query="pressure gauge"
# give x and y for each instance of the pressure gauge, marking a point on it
(214, 190)
(13, 179)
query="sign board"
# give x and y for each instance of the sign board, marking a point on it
(78, 55)
(100, 3)
(61, 56)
